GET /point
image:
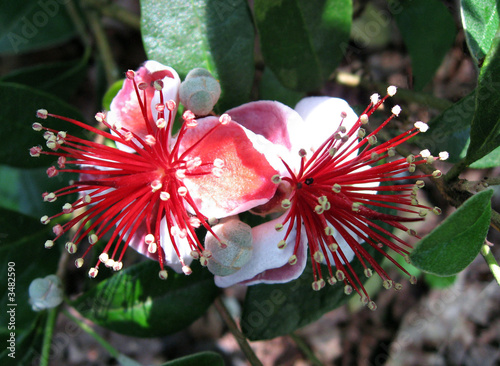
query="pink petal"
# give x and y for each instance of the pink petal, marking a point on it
(269, 264)
(125, 110)
(245, 178)
(273, 120)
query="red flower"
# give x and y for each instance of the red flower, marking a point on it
(153, 190)
(331, 193)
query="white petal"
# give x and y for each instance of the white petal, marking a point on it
(322, 117)
(269, 264)
(170, 255)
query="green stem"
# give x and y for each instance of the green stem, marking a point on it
(103, 46)
(491, 261)
(455, 171)
(47, 337)
(116, 12)
(78, 22)
(86, 328)
(233, 328)
(304, 348)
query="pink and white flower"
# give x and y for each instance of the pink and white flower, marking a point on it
(154, 189)
(334, 180)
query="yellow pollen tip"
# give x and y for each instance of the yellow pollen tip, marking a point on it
(318, 257)
(163, 274)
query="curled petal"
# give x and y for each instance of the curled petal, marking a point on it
(268, 263)
(125, 110)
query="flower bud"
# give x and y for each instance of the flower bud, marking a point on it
(199, 92)
(237, 252)
(45, 293)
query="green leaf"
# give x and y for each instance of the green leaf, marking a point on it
(111, 93)
(136, 302)
(271, 89)
(270, 311)
(22, 190)
(450, 131)
(29, 25)
(198, 359)
(485, 127)
(23, 258)
(302, 40)
(18, 112)
(428, 31)
(27, 345)
(480, 22)
(217, 35)
(491, 160)
(454, 244)
(61, 79)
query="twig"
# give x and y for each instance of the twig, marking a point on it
(233, 328)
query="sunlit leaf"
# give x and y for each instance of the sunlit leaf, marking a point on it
(136, 302)
(485, 127)
(454, 244)
(217, 35)
(480, 21)
(302, 40)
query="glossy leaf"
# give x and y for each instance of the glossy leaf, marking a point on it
(22, 241)
(271, 89)
(491, 160)
(270, 311)
(480, 22)
(16, 121)
(198, 359)
(111, 93)
(136, 302)
(302, 40)
(22, 190)
(217, 35)
(485, 127)
(428, 31)
(33, 24)
(454, 244)
(450, 131)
